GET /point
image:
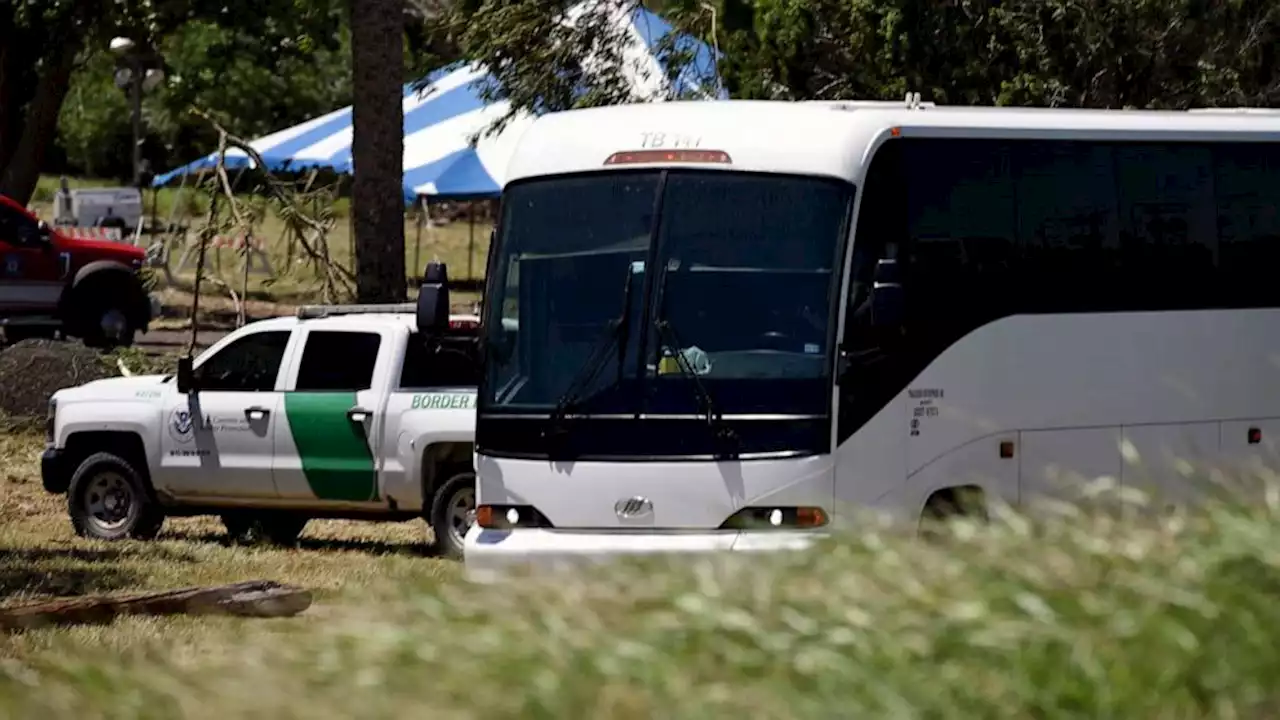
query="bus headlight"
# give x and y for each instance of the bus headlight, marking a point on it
(510, 517)
(776, 518)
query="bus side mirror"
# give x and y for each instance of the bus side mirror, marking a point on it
(186, 377)
(433, 300)
(887, 298)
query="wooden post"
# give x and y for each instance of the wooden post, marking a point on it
(471, 242)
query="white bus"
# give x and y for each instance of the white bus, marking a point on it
(720, 325)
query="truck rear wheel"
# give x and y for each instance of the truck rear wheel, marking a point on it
(108, 500)
(453, 509)
(247, 527)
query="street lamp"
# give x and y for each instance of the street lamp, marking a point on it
(138, 70)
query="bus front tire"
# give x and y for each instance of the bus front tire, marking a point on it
(950, 503)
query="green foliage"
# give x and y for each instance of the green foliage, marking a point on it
(1141, 53)
(1091, 53)
(252, 86)
(93, 128)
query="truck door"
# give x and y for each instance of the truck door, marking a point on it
(218, 441)
(333, 413)
(436, 391)
(32, 273)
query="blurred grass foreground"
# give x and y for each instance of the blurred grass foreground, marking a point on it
(1098, 614)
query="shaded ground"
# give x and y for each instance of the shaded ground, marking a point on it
(41, 557)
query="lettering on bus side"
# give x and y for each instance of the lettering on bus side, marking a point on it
(665, 140)
(924, 408)
(443, 401)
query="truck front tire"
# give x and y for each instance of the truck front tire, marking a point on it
(452, 512)
(109, 500)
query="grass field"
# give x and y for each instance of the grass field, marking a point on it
(1084, 615)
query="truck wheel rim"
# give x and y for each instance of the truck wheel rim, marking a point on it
(113, 323)
(109, 501)
(462, 510)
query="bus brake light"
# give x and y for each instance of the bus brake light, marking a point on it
(635, 157)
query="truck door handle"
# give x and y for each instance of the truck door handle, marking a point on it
(256, 412)
(358, 415)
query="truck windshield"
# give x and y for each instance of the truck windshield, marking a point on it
(736, 276)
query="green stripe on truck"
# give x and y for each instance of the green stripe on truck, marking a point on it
(335, 454)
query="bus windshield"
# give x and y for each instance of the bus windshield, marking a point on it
(736, 272)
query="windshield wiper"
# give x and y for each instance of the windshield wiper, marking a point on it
(615, 336)
(667, 337)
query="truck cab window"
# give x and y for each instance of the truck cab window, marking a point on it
(16, 228)
(453, 364)
(335, 361)
(248, 364)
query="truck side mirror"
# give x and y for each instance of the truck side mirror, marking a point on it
(887, 298)
(186, 377)
(433, 300)
(44, 236)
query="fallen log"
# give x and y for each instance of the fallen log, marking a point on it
(256, 598)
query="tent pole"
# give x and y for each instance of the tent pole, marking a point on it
(351, 237)
(417, 238)
(471, 242)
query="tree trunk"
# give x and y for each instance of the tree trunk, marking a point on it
(377, 148)
(19, 176)
(10, 107)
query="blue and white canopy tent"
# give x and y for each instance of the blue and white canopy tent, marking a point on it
(440, 160)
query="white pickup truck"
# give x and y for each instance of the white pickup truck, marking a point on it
(341, 412)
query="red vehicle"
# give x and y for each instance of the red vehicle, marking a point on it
(82, 288)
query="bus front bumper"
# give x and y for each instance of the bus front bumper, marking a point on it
(489, 555)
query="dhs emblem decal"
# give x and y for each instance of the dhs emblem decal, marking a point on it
(181, 425)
